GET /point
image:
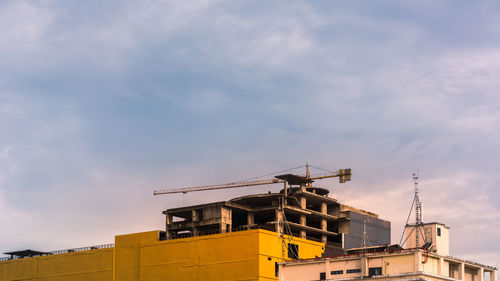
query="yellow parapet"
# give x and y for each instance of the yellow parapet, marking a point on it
(242, 255)
(78, 266)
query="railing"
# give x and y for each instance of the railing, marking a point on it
(57, 252)
(269, 227)
(217, 231)
(82, 249)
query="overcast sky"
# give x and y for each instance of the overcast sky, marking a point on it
(103, 102)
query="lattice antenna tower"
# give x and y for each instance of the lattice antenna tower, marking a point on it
(418, 211)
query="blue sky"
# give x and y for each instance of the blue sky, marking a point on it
(101, 103)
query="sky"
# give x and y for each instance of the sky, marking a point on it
(102, 102)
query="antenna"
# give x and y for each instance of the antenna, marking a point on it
(364, 242)
(418, 210)
(418, 228)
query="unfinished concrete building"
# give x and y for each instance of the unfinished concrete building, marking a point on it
(308, 213)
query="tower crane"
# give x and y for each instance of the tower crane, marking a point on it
(287, 179)
(343, 175)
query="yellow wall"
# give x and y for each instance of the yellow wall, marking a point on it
(79, 266)
(243, 255)
(230, 256)
(398, 264)
(270, 251)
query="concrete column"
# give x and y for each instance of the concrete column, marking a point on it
(327, 269)
(323, 208)
(323, 227)
(303, 202)
(168, 220)
(418, 261)
(278, 218)
(441, 267)
(461, 271)
(303, 222)
(302, 219)
(480, 271)
(493, 275)
(194, 218)
(364, 266)
(250, 218)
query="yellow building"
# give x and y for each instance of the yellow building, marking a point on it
(242, 255)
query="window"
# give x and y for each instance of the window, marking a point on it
(322, 275)
(375, 271)
(293, 251)
(353, 270)
(276, 269)
(336, 272)
(438, 231)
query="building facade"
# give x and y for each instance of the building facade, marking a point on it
(243, 255)
(414, 264)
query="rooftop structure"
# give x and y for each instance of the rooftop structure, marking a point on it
(387, 264)
(308, 212)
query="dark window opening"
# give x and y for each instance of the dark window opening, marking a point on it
(276, 269)
(375, 271)
(357, 270)
(314, 207)
(336, 272)
(293, 251)
(314, 223)
(322, 275)
(239, 219)
(162, 235)
(438, 231)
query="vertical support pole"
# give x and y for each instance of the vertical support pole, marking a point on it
(418, 261)
(494, 275)
(194, 218)
(323, 227)
(285, 189)
(168, 220)
(480, 272)
(327, 269)
(278, 218)
(303, 202)
(303, 222)
(323, 208)
(441, 267)
(280, 273)
(250, 219)
(461, 271)
(364, 265)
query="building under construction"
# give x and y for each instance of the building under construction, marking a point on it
(306, 212)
